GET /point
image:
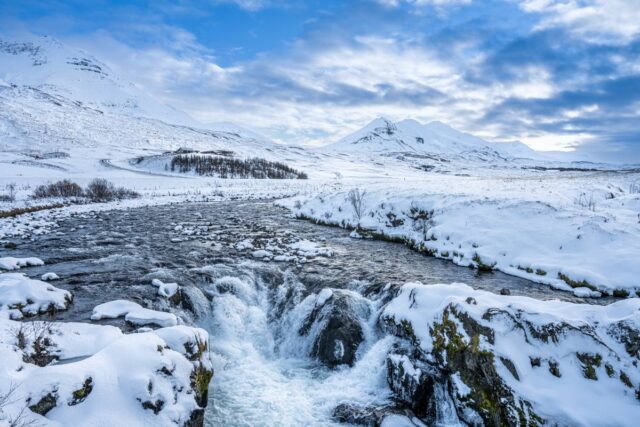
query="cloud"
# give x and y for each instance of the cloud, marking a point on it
(251, 5)
(534, 70)
(418, 3)
(595, 20)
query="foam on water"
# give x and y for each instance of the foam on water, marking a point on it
(258, 382)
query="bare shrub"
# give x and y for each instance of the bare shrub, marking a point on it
(63, 188)
(586, 201)
(356, 199)
(10, 194)
(422, 219)
(102, 190)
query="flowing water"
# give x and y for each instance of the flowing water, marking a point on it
(253, 309)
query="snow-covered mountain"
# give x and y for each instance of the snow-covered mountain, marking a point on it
(53, 96)
(48, 65)
(410, 136)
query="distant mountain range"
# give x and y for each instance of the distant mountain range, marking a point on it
(384, 136)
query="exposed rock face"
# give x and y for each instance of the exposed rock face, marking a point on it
(335, 324)
(466, 354)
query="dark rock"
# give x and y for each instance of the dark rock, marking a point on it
(412, 384)
(44, 405)
(367, 415)
(553, 368)
(340, 332)
(156, 406)
(505, 291)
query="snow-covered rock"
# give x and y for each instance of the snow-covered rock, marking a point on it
(510, 358)
(49, 276)
(133, 313)
(82, 374)
(11, 263)
(24, 296)
(167, 290)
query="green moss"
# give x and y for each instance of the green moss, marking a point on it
(625, 379)
(481, 265)
(620, 293)
(540, 272)
(589, 364)
(201, 379)
(81, 394)
(407, 327)
(610, 371)
(576, 284)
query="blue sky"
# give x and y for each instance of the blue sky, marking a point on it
(555, 74)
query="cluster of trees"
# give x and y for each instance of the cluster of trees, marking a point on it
(98, 190)
(225, 167)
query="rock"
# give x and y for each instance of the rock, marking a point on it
(82, 393)
(337, 324)
(45, 404)
(411, 383)
(505, 291)
(350, 413)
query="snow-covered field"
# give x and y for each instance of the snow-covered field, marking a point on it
(578, 231)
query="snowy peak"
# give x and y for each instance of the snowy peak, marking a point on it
(384, 136)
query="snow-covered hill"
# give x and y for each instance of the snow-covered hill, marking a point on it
(410, 136)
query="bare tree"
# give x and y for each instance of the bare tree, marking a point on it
(356, 198)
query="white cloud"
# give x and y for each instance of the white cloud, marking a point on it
(314, 94)
(396, 3)
(251, 5)
(595, 20)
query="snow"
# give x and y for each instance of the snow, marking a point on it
(323, 296)
(166, 290)
(49, 276)
(133, 313)
(10, 263)
(261, 253)
(122, 372)
(384, 136)
(307, 248)
(27, 296)
(527, 227)
(591, 329)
